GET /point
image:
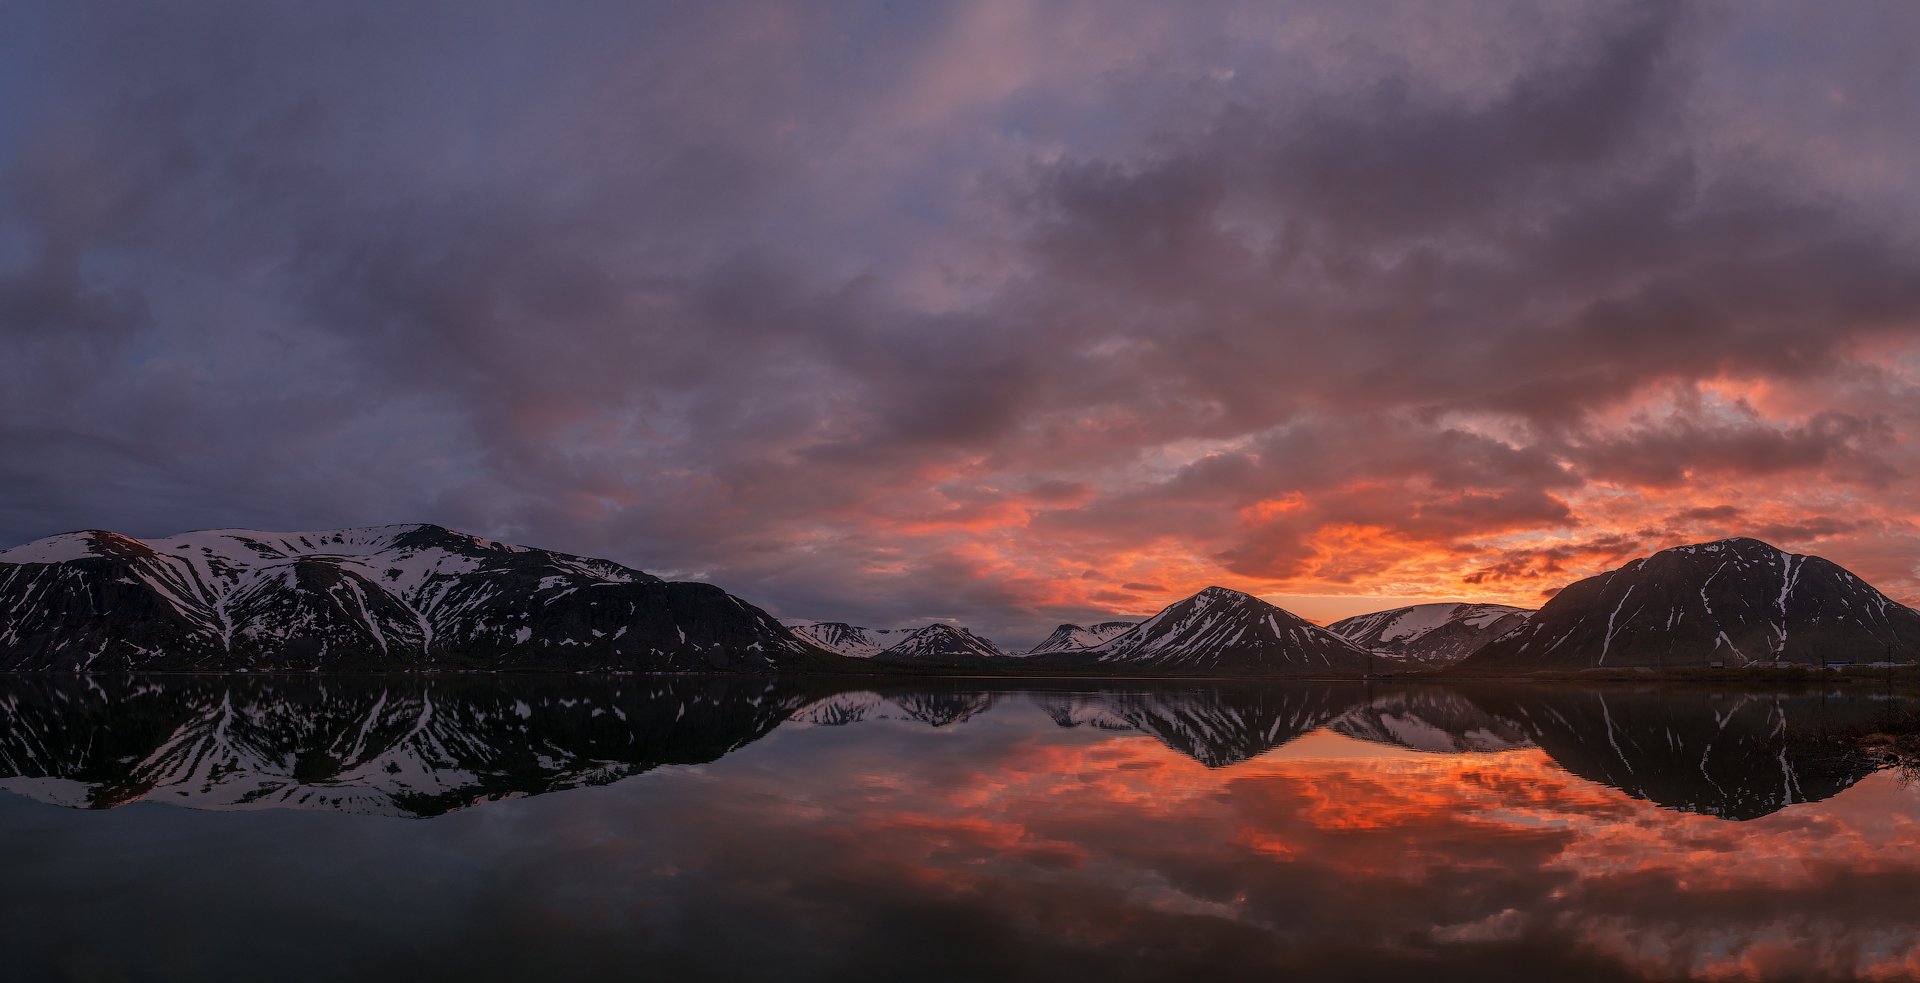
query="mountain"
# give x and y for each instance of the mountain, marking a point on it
(1736, 601)
(934, 645)
(1430, 634)
(1221, 630)
(942, 644)
(387, 597)
(848, 640)
(1072, 638)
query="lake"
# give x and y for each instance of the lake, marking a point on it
(485, 827)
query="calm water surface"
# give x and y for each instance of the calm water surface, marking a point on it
(212, 828)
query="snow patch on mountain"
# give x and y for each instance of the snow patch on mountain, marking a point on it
(53, 549)
(849, 640)
(1073, 638)
(393, 596)
(941, 642)
(1430, 634)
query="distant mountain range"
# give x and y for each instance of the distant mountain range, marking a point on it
(852, 641)
(1072, 638)
(935, 644)
(424, 597)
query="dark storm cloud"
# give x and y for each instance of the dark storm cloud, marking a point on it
(1666, 453)
(895, 315)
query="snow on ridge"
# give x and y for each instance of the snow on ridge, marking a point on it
(54, 549)
(846, 639)
(1073, 638)
(1419, 620)
(224, 560)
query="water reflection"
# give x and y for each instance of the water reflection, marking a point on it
(943, 830)
(413, 746)
(423, 746)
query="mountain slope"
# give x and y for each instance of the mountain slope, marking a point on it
(942, 644)
(1736, 601)
(1072, 638)
(1221, 630)
(1430, 634)
(407, 596)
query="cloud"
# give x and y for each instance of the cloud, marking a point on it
(895, 315)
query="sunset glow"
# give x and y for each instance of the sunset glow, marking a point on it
(1003, 313)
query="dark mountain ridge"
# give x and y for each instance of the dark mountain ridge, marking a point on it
(409, 596)
(1737, 602)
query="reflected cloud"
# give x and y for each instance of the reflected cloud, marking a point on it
(1007, 829)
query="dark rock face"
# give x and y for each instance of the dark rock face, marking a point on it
(1737, 601)
(1223, 631)
(391, 597)
(100, 613)
(1430, 634)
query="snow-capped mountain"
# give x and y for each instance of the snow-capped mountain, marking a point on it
(1221, 630)
(405, 596)
(845, 639)
(1736, 601)
(1073, 638)
(1430, 634)
(941, 643)
(935, 644)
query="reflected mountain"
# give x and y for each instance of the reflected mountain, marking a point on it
(403, 746)
(427, 745)
(1432, 719)
(934, 709)
(1737, 756)
(1214, 725)
(1733, 755)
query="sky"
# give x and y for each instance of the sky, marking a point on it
(1005, 313)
